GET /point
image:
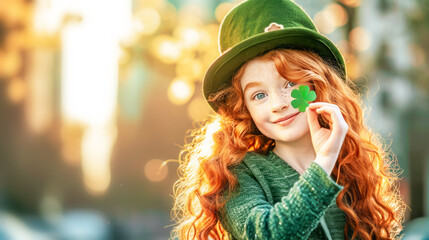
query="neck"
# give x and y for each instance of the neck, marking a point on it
(298, 154)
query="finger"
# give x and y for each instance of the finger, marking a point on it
(318, 105)
(326, 117)
(315, 105)
(338, 123)
(313, 123)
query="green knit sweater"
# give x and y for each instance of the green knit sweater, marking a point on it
(273, 201)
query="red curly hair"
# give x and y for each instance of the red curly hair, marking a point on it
(370, 198)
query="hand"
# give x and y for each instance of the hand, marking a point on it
(326, 142)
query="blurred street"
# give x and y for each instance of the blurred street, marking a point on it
(96, 98)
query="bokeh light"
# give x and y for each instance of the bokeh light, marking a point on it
(150, 3)
(222, 9)
(97, 143)
(146, 21)
(155, 170)
(330, 18)
(191, 16)
(180, 91)
(71, 134)
(360, 39)
(170, 14)
(39, 104)
(190, 68)
(339, 14)
(353, 66)
(344, 46)
(351, 3)
(198, 109)
(10, 63)
(166, 49)
(16, 90)
(325, 22)
(48, 16)
(189, 37)
(90, 87)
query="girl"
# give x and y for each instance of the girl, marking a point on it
(261, 169)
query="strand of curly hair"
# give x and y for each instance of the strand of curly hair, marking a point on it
(369, 175)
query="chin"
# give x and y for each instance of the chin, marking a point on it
(288, 136)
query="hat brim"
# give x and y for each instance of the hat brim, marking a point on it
(221, 71)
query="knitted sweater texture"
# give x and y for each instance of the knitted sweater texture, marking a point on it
(273, 201)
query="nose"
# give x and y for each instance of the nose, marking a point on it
(279, 101)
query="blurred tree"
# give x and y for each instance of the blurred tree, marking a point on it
(418, 114)
(418, 21)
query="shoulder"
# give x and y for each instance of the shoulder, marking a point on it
(254, 156)
(251, 173)
(250, 164)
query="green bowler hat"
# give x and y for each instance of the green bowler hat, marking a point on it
(257, 26)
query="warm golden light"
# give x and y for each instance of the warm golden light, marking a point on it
(325, 22)
(209, 47)
(88, 90)
(353, 66)
(209, 56)
(205, 41)
(351, 3)
(221, 10)
(155, 170)
(206, 146)
(71, 142)
(39, 104)
(344, 46)
(10, 63)
(169, 12)
(191, 15)
(147, 21)
(198, 109)
(90, 59)
(208, 142)
(180, 91)
(150, 3)
(166, 49)
(339, 14)
(190, 68)
(213, 30)
(48, 16)
(16, 90)
(360, 39)
(189, 37)
(96, 152)
(124, 57)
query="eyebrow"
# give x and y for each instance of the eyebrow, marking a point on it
(250, 85)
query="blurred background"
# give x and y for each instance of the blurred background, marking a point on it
(96, 98)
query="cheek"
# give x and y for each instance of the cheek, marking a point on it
(285, 94)
(256, 111)
(259, 117)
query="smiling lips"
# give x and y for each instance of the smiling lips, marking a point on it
(283, 119)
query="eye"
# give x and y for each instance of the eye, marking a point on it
(290, 84)
(259, 96)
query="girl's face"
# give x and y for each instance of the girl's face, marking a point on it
(267, 96)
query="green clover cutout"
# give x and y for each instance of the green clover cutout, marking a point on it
(303, 97)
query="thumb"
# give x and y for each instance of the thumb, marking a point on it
(313, 123)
